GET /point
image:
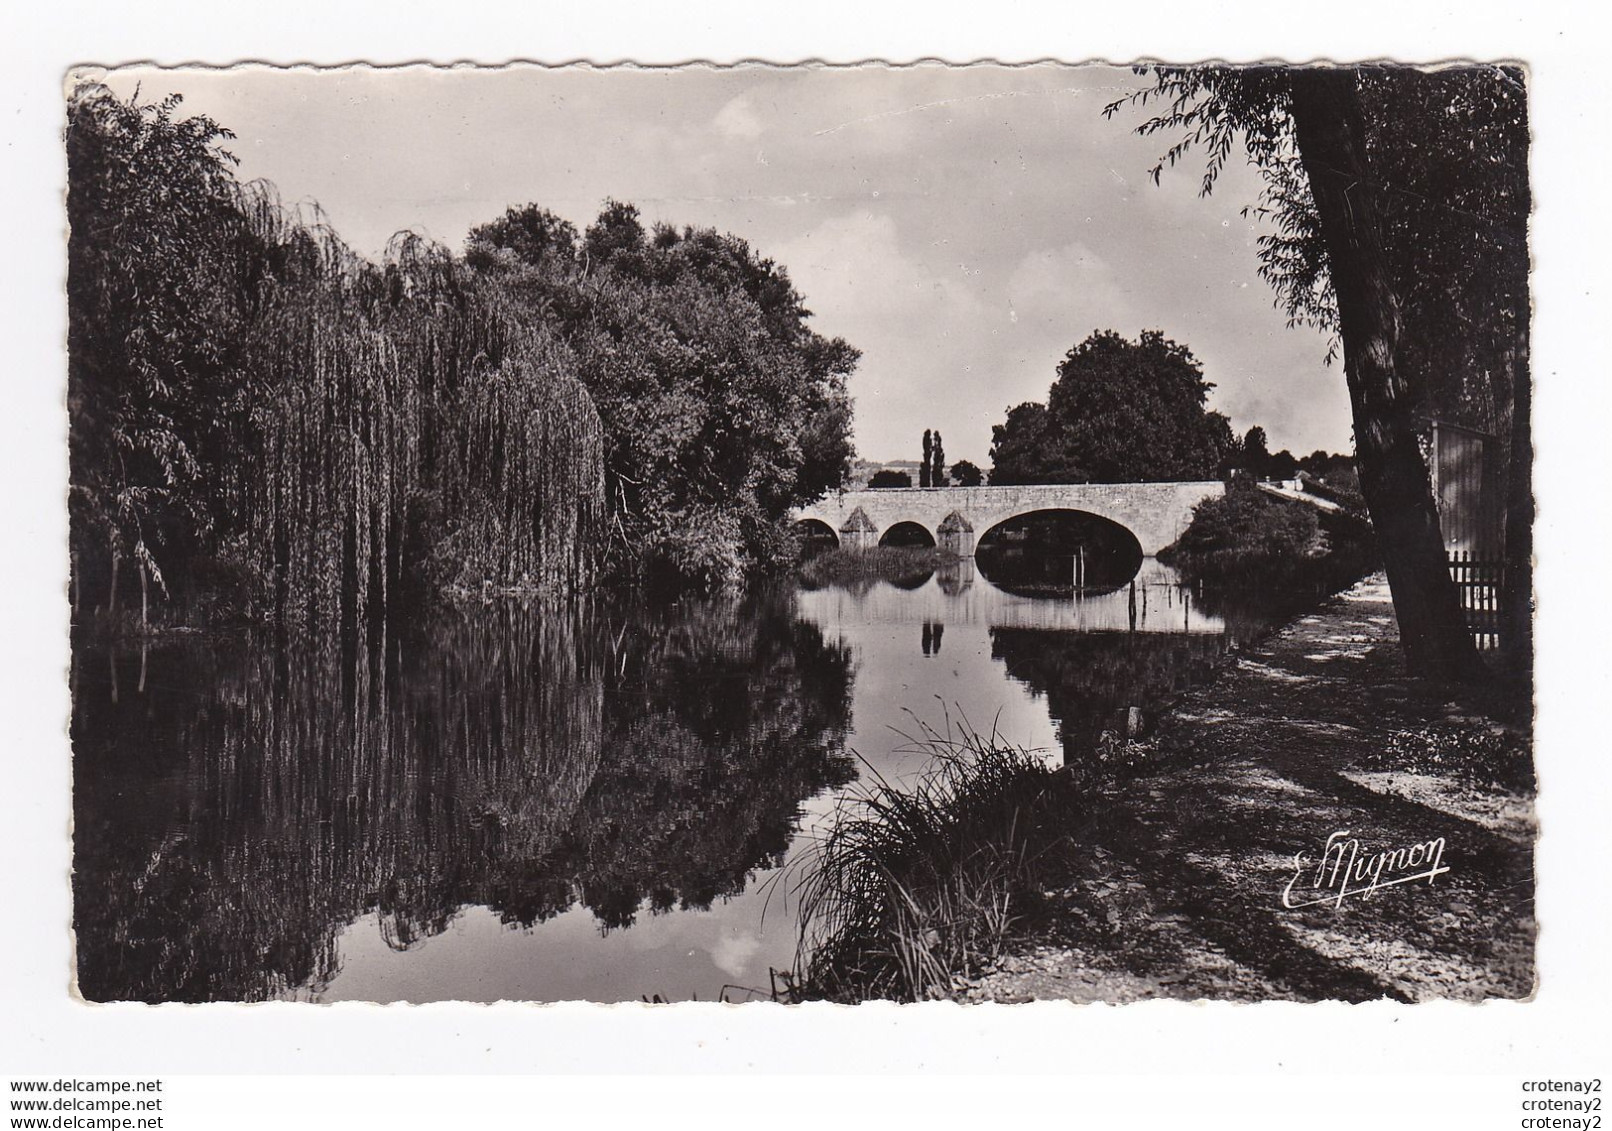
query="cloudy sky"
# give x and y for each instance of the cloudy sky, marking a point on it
(963, 227)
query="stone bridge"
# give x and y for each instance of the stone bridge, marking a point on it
(957, 517)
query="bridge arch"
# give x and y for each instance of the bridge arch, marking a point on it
(907, 533)
(1040, 545)
(814, 533)
(1000, 525)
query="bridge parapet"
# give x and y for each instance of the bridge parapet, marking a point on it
(1155, 513)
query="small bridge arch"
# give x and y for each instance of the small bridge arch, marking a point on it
(817, 533)
(907, 532)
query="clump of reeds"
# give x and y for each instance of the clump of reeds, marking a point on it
(912, 888)
(881, 563)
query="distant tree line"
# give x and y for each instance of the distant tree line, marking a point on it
(264, 424)
(1252, 456)
(932, 471)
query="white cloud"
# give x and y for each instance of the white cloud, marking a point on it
(1055, 272)
(732, 953)
(915, 321)
(738, 119)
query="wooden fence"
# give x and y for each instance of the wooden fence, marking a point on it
(1479, 581)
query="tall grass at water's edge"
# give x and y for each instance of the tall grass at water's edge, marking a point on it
(913, 887)
(882, 563)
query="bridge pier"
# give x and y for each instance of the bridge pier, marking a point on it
(955, 535)
(858, 532)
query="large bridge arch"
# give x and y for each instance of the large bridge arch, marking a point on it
(996, 529)
(1049, 545)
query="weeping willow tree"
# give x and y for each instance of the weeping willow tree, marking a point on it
(413, 429)
(247, 391)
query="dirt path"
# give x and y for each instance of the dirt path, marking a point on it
(1173, 884)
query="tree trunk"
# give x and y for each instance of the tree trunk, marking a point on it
(112, 597)
(1330, 131)
(1517, 597)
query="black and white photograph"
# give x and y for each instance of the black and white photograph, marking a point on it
(756, 533)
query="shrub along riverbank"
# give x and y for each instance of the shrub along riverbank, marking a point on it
(912, 887)
(1249, 539)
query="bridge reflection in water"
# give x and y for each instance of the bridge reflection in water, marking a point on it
(1154, 601)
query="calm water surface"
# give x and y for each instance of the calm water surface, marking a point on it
(506, 803)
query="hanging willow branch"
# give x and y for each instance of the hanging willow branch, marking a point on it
(407, 427)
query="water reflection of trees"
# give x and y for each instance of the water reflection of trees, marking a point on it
(1088, 677)
(236, 805)
(723, 718)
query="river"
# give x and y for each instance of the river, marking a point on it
(609, 803)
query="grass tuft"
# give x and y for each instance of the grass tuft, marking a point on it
(913, 888)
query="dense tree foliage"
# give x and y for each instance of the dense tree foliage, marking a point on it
(1119, 412)
(150, 200)
(1247, 537)
(1400, 200)
(966, 474)
(1253, 456)
(889, 477)
(722, 408)
(1248, 540)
